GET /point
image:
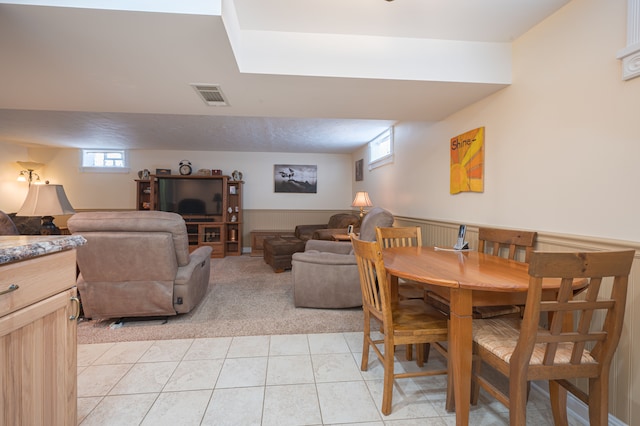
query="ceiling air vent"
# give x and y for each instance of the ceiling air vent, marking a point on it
(211, 94)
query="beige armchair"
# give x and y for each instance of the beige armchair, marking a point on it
(137, 264)
(326, 274)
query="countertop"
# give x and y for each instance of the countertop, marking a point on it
(21, 247)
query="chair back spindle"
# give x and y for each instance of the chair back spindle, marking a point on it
(410, 236)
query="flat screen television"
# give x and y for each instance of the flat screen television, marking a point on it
(188, 196)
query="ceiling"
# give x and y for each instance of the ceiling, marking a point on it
(313, 76)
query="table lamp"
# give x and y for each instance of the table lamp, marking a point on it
(362, 200)
(46, 201)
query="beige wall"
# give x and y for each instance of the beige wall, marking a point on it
(12, 193)
(117, 190)
(562, 142)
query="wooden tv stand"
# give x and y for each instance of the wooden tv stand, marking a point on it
(223, 233)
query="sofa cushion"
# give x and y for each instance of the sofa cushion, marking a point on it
(27, 225)
(305, 232)
(342, 221)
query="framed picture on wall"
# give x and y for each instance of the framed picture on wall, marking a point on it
(467, 162)
(359, 167)
(295, 178)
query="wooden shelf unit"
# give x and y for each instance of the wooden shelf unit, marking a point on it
(223, 233)
(143, 193)
(233, 219)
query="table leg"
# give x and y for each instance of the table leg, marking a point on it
(460, 351)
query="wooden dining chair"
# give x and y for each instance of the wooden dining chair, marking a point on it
(408, 236)
(494, 241)
(508, 243)
(523, 351)
(404, 322)
(399, 236)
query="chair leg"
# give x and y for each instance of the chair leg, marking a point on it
(449, 404)
(599, 400)
(517, 398)
(420, 355)
(558, 400)
(387, 391)
(366, 338)
(475, 383)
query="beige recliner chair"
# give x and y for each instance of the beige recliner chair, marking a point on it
(326, 274)
(137, 264)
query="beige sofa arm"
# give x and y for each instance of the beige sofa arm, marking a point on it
(325, 280)
(196, 258)
(192, 280)
(324, 258)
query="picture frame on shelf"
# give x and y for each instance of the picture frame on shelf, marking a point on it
(163, 172)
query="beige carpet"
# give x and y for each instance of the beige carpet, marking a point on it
(245, 298)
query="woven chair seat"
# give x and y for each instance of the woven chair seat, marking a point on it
(500, 336)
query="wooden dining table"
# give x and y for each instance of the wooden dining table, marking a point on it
(466, 279)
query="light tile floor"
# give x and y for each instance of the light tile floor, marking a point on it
(310, 379)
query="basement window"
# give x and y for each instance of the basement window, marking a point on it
(381, 149)
(104, 160)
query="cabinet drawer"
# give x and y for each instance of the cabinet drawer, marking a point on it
(37, 279)
(218, 250)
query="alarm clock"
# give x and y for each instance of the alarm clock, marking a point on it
(185, 167)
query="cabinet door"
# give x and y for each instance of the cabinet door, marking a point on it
(212, 234)
(38, 363)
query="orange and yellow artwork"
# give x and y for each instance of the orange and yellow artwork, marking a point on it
(467, 162)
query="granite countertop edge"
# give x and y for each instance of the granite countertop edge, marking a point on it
(17, 248)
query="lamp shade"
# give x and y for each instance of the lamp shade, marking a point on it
(29, 165)
(361, 200)
(46, 200)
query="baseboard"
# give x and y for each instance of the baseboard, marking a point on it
(576, 409)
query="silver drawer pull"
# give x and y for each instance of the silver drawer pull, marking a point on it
(12, 287)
